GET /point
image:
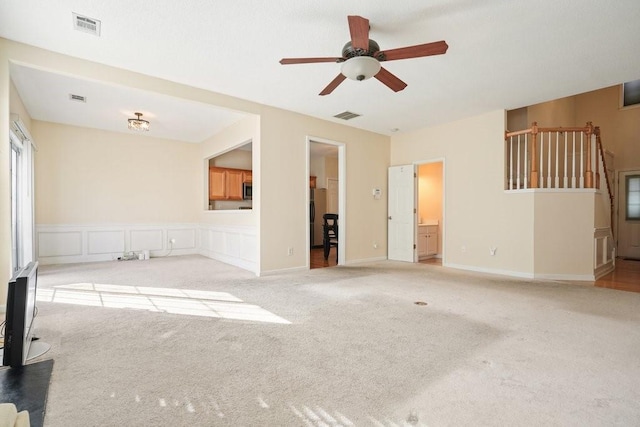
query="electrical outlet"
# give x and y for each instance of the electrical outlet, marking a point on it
(290, 251)
(492, 250)
(463, 248)
(375, 245)
(172, 241)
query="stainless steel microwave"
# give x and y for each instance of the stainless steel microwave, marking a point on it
(246, 191)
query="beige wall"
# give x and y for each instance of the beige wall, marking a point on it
(285, 183)
(89, 176)
(479, 214)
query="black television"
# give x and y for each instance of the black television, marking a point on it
(21, 310)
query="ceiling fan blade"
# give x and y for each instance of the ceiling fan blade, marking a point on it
(359, 29)
(394, 83)
(427, 49)
(288, 61)
(334, 84)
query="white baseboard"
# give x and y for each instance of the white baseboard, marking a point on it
(365, 260)
(283, 271)
(522, 275)
(499, 272)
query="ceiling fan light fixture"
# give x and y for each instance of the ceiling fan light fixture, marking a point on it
(139, 124)
(360, 68)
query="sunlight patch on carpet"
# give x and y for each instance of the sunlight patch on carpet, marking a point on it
(165, 300)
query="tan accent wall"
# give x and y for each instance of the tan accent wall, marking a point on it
(479, 214)
(620, 128)
(89, 176)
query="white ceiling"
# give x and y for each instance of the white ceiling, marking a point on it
(502, 55)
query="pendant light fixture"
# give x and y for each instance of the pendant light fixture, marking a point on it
(138, 123)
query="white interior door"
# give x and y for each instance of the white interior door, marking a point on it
(401, 221)
(629, 214)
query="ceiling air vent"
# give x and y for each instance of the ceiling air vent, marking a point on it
(78, 98)
(86, 24)
(346, 115)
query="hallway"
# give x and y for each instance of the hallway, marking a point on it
(626, 276)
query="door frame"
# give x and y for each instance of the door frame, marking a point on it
(616, 216)
(342, 196)
(444, 203)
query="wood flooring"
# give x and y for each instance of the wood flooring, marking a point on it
(626, 276)
(317, 260)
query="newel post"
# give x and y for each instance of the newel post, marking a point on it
(588, 174)
(534, 164)
(596, 131)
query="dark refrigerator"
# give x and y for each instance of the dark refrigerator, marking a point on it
(317, 208)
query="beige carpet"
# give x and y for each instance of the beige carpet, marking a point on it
(336, 346)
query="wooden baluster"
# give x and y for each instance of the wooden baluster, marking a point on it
(588, 181)
(534, 166)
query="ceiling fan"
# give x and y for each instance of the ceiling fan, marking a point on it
(361, 57)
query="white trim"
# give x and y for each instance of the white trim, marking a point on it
(522, 275)
(342, 197)
(553, 190)
(367, 260)
(283, 271)
(567, 277)
(489, 270)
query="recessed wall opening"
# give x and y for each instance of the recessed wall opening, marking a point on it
(230, 182)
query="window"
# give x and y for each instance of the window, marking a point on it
(631, 93)
(633, 197)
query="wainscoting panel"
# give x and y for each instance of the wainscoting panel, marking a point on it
(105, 242)
(235, 245)
(61, 244)
(185, 239)
(150, 240)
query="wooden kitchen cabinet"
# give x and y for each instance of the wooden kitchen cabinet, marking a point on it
(226, 183)
(234, 184)
(217, 184)
(247, 176)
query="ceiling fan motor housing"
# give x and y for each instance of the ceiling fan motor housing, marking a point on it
(348, 51)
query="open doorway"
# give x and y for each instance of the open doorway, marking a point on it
(430, 212)
(326, 218)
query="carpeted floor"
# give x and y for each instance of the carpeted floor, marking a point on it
(333, 346)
